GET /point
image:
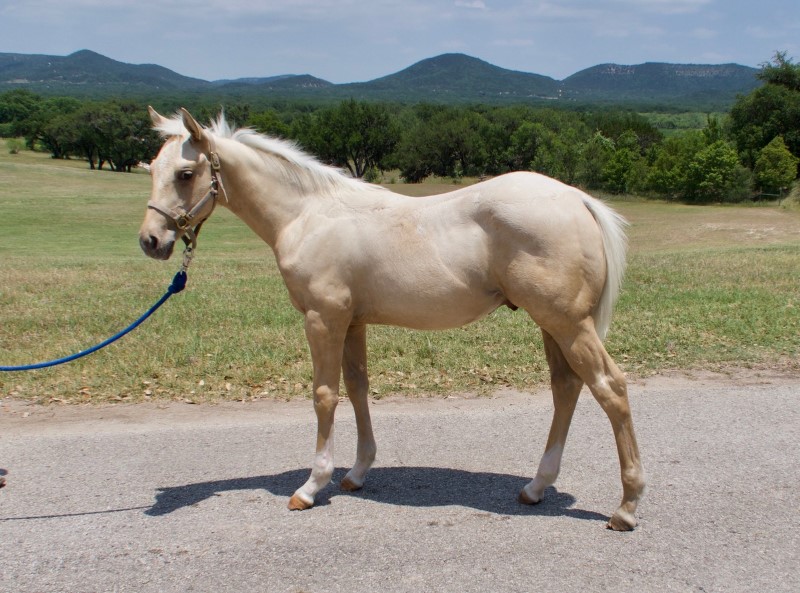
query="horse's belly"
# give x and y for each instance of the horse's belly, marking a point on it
(426, 311)
(429, 278)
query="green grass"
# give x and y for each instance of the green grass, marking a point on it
(673, 123)
(706, 286)
(731, 305)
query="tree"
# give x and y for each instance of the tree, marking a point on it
(781, 72)
(86, 139)
(613, 124)
(506, 135)
(617, 173)
(775, 167)
(622, 170)
(769, 111)
(595, 155)
(559, 153)
(713, 130)
(524, 144)
(715, 175)
(48, 125)
(353, 135)
(58, 135)
(667, 175)
(123, 134)
(689, 167)
(448, 142)
(270, 123)
(16, 107)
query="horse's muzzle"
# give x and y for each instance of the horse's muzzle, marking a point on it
(155, 248)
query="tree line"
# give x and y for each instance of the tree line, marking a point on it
(753, 150)
(112, 133)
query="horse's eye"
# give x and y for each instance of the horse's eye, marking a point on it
(185, 175)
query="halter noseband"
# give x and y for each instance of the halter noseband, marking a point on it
(185, 221)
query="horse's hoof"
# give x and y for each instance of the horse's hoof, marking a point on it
(349, 485)
(621, 521)
(526, 498)
(297, 503)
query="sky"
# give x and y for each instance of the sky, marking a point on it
(358, 40)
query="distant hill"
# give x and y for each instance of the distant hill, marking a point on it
(660, 82)
(448, 78)
(456, 77)
(261, 80)
(275, 85)
(89, 74)
(88, 70)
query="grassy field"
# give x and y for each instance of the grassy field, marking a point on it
(673, 123)
(706, 287)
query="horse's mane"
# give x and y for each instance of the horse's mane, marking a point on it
(297, 166)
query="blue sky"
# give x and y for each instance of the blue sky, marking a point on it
(358, 40)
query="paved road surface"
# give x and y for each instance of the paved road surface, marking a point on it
(185, 498)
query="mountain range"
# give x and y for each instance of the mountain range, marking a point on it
(448, 78)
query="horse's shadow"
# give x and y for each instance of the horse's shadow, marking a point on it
(402, 486)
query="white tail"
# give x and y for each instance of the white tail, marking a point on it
(615, 243)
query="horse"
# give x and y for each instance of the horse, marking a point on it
(353, 254)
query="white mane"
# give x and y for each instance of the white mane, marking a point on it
(299, 168)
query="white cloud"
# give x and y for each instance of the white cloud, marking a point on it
(667, 7)
(479, 4)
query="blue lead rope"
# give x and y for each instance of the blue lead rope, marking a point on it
(178, 284)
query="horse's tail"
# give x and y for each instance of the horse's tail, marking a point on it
(615, 244)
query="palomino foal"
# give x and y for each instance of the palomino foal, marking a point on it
(352, 254)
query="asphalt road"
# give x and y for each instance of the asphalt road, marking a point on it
(182, 498)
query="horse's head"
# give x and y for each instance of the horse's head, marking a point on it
(184, 185)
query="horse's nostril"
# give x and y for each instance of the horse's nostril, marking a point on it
(149, 243)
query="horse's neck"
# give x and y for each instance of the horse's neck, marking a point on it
(256, 191)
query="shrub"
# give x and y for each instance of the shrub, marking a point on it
(15, 145)
(715, 175)
(373, 175)
(775, 167)
(792, 201)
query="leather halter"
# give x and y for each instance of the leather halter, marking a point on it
(185, 220)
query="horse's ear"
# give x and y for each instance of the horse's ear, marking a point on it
(156, 117)
(195, 130)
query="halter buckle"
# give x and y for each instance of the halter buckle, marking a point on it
(214, 159)
(182, 221)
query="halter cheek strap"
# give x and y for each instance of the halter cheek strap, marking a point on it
(185, 221)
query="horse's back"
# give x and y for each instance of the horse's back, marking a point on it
(533, 203)
(538, 215)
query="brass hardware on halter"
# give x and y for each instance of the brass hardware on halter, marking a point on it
(214, 158)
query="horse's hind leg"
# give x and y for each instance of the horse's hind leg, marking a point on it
(354, 367)
(586, 355)
(566, 387)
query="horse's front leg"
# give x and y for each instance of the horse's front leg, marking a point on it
(354, 367)
(326, 341)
